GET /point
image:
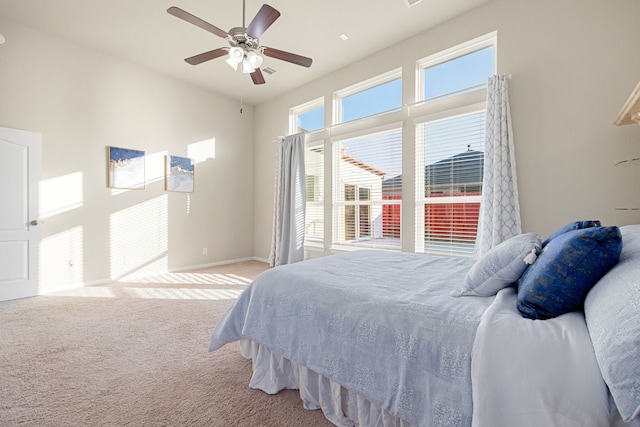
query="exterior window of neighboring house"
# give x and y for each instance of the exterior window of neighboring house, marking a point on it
(364, 168)
(381, 94)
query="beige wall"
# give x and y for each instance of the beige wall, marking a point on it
(573, 65)
(82, 101)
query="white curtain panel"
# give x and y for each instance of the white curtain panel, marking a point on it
(287, 241)
(499, 208)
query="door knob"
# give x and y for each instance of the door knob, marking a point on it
(36, 222)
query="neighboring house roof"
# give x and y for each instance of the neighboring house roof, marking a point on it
(462, 168)
(362, 165)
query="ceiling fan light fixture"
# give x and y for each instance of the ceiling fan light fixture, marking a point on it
(255, 59)
(236, 55)
(247, 68)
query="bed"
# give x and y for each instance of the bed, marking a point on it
(379, 338)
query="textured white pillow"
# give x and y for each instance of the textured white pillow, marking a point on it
(612, 312)
(502, 266)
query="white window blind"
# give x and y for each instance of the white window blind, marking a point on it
(368, 190)
(314, 175)
(449, 169)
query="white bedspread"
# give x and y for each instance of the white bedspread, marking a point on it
(531, 373)
(381, 324)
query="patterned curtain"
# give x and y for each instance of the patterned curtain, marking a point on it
(287, 241)
(499, 208)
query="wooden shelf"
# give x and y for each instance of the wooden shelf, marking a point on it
(630, 112)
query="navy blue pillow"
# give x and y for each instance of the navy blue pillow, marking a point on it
(577, 225)
(566, 269)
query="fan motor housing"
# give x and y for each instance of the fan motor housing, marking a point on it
(238, 37)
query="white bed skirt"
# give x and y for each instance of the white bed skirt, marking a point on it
(344, 408)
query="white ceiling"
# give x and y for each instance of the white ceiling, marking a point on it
(142, 32)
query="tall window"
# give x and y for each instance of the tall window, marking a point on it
(361, 152)
(367, 190)
(449, 160)
(450, 146)
(314, 170)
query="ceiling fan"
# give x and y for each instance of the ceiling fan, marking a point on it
(245, 49)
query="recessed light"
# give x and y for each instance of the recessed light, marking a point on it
(343, 37)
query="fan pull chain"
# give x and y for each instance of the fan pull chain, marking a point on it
(241, 92)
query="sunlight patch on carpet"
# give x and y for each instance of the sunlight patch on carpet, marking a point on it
(152, 293)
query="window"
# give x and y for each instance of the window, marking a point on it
(366, 189)
(449, 169)
(314, 175)
(466, 72)
(360, 204)
(308, 117)
(459, 70)
(375, 96)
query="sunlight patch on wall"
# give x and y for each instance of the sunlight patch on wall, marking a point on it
(60, 194)
(154, 167)
(139, 236)
(61, 261)
(202, 151)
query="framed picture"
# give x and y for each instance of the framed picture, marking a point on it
(126, 168)
(179, 174)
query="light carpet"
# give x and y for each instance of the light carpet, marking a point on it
(134, 353)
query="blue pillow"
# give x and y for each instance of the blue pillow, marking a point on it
(577, 225)
(566, 269)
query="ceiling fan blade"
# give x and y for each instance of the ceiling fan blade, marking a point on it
(207, 56)
(257, 77)
(263, 20)
(186, 16)
(287, 56)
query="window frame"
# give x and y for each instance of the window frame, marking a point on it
(421, 200)
(298, 110)
(458, 51)
(338, 182)
(365, 85)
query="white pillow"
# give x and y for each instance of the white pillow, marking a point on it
(502, 266)
(612, 312)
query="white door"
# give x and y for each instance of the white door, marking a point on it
(20, 165)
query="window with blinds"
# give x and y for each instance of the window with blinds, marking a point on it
(449, 171)
(367, 190)
(361, 204)
(314, 176)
